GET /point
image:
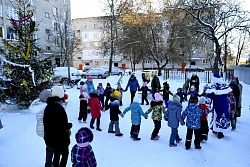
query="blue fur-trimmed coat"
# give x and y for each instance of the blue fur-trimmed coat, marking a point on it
(193, 114)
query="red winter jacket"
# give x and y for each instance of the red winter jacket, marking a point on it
(95, 107)
(205, 111)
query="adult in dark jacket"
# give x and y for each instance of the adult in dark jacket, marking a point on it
(56, 129)
(107, 92)
(195, 81)
(236, 92)
(155, 85)
(133, 86)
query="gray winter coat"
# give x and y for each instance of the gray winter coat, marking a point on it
(173, 114)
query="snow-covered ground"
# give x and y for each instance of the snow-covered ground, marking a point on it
(21, 147)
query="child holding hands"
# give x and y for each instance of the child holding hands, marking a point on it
(173, 116)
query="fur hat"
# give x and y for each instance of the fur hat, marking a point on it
(176, 98)
(44, 95)
(202, 100)
(57, 91)
(84, 135)
(136, 99)
(116, 94)
(158, 97)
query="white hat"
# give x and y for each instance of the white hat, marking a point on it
(57, 91)
(202, 100)
(43, 96)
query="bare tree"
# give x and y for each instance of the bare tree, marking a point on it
(209, 16)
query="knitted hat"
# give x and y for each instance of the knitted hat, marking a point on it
(116, 94)
(100, 84)
(158, 97)
(84, 135)
(95, 92)
(202, 100)
(44, 95)
(176, 98)
(57, 91)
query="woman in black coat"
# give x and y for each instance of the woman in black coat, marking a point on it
(56, 129)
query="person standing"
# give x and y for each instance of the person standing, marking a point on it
(173, 116)
(155, 85)
(56, 129)
(107, 93)
(101, 95)
(133, 86)
(166, 93)
(144, 93)
(194, 80)
(90, 84)
(238, 108)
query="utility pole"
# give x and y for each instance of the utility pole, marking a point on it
(112, 32)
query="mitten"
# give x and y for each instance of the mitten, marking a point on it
(166, 119)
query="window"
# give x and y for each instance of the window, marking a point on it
(87, 44)
(96, 44)
(56, 41)
(56, 26)
(79, 58)
(46, 15)
(10, 33)
(95, 35)
(95, 62)
(86, 26)
(204, 61)
(64, 2)
(1, 32)
(48, 48)
(86, 35)
(95, 26)
(106, 62)
(104, 25)
(47, 31)
(54, 11)
(146, 62)
(78, 31)
(96, 53)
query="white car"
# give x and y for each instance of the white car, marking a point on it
(114, 71)
(128, 71)
(61, 75)
(95, 73)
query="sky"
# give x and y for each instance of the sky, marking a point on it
(93, 8)
(21, 147)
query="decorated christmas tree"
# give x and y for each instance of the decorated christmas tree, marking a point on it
(23, 64)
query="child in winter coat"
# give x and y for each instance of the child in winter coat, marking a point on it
(181, 94)
(136, 113)
(166, 93)
(193, 123)
(121, 90)
(107, 92)
(144, 93)
(95, 109)
(157, 110)
(204, 123)
(173, 116)
(101, 95)
(114, 113)
(83, 112)
(232, 109)
(192, 91)
(82, 153)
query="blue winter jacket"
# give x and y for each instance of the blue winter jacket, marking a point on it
(90, 86)
(133, 85)
(193, 114)
(136, 112)
(174, 114)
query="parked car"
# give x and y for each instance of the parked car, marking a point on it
(194, 68)
(61, 75)
(95, 73)
(128, 71)
(114, 71)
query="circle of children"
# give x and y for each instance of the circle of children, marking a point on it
(225, 101)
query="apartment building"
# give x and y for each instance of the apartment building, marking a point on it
(92, 31)
(47, 14)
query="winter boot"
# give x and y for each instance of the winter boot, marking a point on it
(220, 135)
(172, 145)
(188, 144)
(136, 139)
(92, 123)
